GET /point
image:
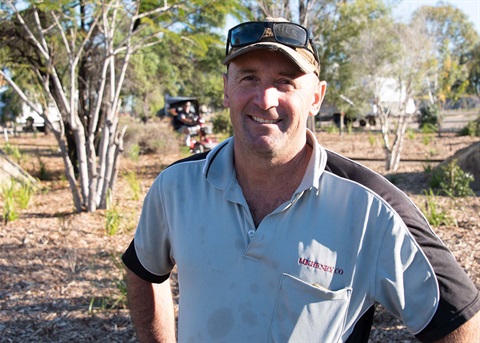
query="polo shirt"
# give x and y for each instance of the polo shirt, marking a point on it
(310, 271)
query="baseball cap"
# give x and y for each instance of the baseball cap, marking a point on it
(276, 34)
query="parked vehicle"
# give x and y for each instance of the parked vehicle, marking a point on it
(204, 142)
(201, 139)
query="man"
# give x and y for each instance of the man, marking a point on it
(186, 122)
(294, 243)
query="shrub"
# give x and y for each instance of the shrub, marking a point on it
(451, 180)
(429, 116)
(471, 129)
(222, 124)
(433, 213)
(151, 138)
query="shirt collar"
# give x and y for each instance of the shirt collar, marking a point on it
(220, 172)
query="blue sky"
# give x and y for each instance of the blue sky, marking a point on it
(404, 10)
(470, 7)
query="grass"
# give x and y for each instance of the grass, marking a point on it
(134, 184)
(10, 211)
(16, 196)
(434, 214)
(112, 218)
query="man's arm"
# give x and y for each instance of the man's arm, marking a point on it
(151, 309)
(468, 332)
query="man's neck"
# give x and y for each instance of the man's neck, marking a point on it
(267, 184)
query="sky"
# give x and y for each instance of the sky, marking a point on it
(469, 7)
(404, 10)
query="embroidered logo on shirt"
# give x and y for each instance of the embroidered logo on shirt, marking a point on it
(316, 265)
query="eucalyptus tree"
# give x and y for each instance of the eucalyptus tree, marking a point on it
(76, 55)
(474, 71)
(454, 37)
(392, 60)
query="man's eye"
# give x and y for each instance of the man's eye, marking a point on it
(249, 78)
(285, 84)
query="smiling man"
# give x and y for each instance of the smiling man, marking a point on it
(294, 243)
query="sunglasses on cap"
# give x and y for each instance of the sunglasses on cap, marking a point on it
(290, 34)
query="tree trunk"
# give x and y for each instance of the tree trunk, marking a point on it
(394, 161)
(342, 122)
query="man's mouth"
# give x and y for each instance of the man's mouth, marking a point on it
(265, 121)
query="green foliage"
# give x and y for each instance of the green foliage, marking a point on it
(10, 212)
(332, 128)
(16, 196)
(410, 134)
(451, 180)
(454, 37)
(429, 118)
(13, 151)
(222, 124)
(112, 218)
(43, 173)
(372, 140)
(426, 137)
(434, 214)
(133, 152)
(472, 129)
(24, 194)
(134, 183)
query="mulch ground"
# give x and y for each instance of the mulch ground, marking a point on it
(61, 276)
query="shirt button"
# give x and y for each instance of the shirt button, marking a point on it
(251, 233)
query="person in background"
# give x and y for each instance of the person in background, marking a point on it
(186, 122)
(289, 242)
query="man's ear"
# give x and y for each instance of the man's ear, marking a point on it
(318, 97)
(226, 102)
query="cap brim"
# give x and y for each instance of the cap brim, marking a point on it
(295, 56)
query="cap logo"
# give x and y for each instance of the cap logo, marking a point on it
(268, 32)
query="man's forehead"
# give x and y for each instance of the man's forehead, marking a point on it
(264, 59)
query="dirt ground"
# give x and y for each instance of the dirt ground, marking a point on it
(60, 273)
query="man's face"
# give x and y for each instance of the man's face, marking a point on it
(270, 100)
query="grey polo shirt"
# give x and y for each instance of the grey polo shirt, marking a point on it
(308, 273)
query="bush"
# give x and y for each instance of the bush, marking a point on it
(451, 180)
(471, 129)
(222, 124)
(435, 215)
(429, 116)
(151, 138)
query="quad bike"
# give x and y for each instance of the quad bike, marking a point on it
(204, 141)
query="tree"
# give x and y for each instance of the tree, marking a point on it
(392, 57)
(336, 26)
(454, 38)
(474, 71)
(77, 54)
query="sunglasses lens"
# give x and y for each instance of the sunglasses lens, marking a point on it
(247, 34)
(289, 34)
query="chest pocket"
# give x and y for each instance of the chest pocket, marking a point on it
(306, 313)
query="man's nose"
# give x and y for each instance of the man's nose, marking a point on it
(267, 97)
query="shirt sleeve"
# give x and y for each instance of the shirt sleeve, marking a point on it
(459, 298)
(149, 254)
(405, 281)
